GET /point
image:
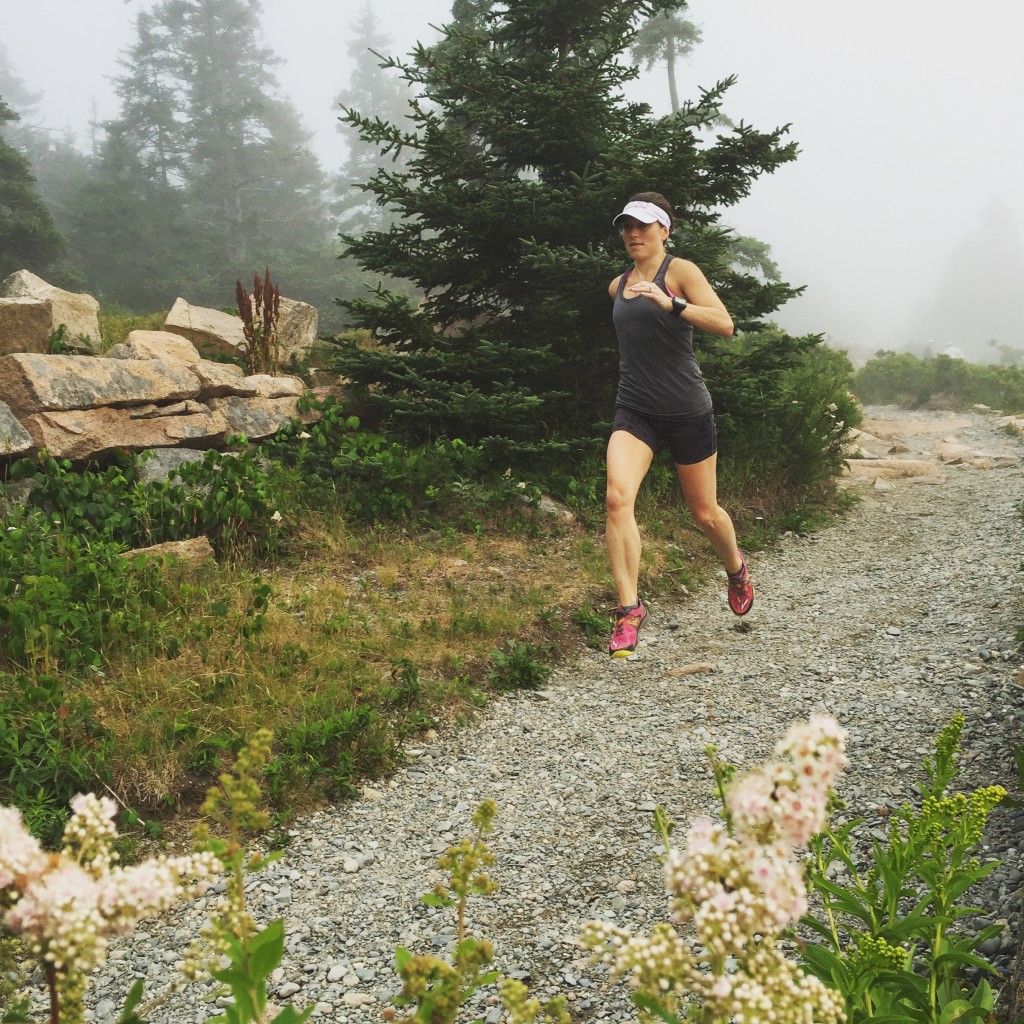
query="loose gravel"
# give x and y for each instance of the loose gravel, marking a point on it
(896, 617)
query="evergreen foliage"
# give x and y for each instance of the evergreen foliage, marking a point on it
(668, 37)
(520, 148)
(369, 88)
(130, 229)
(29, 239)
(205, 160)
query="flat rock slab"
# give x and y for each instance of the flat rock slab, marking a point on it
(210, 330)
(82, 434)
(163, 345)
(891, 469)
(14, 438)
(34, 383)
(896, 430)
(77, 311)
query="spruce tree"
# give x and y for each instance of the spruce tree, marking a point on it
(519, 149)
(668, 37)
(205, 143)
(370, 88)
(29, 239)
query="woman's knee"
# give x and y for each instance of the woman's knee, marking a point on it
(618, 500)
(707, 517)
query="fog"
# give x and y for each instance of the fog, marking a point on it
(903, 216)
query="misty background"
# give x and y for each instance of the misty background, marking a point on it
(903, 216)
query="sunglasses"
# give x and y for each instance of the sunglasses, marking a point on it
(628, 224)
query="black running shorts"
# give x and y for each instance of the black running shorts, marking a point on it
(689, 439)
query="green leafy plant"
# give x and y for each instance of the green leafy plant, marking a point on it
(51, 748)
(435, 987)
(67, 599)
(594, 625)
(58, 341)
(232, 810)
(737, 886)
(229, 497)
(891, 943)
(518, 667)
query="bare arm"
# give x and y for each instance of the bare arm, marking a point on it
(704, 309)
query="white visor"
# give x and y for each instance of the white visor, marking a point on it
(646, 213)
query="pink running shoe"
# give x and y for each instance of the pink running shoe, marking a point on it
(741, 590)
(626, 631)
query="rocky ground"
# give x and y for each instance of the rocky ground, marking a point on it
(901, 614)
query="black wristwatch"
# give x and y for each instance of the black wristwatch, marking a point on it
(678, 305)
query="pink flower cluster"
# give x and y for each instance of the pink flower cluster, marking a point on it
(748, 883)
(734, 890)
(740, 888)
(66, 906)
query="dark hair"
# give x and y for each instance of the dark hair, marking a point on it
(658, 200)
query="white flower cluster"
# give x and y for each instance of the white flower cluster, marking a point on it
(66, 906)
(740, 889)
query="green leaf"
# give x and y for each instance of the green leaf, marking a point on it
(402, 957)
(655, 1008)
(266, 949)
(826, 966)
(983, 995)
(437, 899)
(23, 469)
(134, 997)
(961, 1010)
(966, 959)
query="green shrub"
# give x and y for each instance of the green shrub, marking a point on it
(67, 599)
(51, 747)
(228, 497)
(783, 407)
(327, 745)
(374, 479)
(900, 378)
(518, 667)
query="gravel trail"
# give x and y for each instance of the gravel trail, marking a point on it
(897, 616)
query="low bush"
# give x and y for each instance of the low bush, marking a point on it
(784, 409)
(68, 599)
(51, 747)
(900, 378)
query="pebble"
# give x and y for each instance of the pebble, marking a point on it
(901, 613)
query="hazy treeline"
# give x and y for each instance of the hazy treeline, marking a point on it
(901, 378)
(205, 175)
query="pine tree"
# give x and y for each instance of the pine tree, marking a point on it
(130, 230)
(205, 141)
(668, 37)
(56, 165)
(521, 149)
(382, 95)
(29, 239)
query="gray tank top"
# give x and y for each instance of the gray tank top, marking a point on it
(658, 372)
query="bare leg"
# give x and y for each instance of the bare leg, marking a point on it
(700, 489)
(629, 459)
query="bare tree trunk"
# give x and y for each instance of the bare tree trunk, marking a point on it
(670, 62)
